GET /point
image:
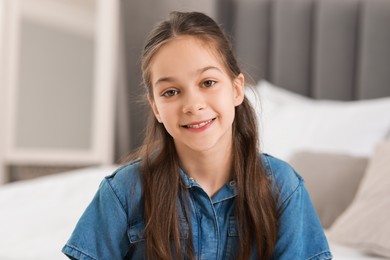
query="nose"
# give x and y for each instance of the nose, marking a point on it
(194, 102)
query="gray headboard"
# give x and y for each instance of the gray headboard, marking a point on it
(326, 49)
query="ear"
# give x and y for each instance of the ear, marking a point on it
(154, 109)
(239, 93)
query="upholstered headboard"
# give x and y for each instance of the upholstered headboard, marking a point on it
(326, 49)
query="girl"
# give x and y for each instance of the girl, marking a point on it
(201, 189)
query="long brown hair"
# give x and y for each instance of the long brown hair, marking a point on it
(255, 203)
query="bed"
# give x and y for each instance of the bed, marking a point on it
(321, 88)
(37, 216)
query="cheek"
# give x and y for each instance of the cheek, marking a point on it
(226, 106)
(165, 111)
(225, 99)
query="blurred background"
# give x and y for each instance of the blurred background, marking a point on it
(70, 81)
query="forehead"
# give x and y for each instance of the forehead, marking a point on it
(184, 54)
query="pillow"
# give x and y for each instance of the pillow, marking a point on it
(365, 223)
(331, 180)
(290, 122)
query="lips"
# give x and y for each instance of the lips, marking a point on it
(198, 125)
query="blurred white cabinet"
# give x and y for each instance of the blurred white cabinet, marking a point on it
(58, 79)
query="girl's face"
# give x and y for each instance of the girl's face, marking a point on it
(194, 97)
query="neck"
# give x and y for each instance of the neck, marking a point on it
(210, 169)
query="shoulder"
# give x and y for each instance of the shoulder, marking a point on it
(300, 234)
(126, 174)
(126, 185)
(286, 179)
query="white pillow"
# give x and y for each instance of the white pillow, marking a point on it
(290, 122)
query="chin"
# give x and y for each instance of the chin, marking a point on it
(204, 147)
(197, 148)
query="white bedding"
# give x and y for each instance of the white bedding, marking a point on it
(341, 252)
(38, 216)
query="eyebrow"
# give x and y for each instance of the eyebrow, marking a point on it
(199, 71)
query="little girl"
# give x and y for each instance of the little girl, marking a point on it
(200, 188)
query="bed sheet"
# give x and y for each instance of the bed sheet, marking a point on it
(38, 216)
(342, 252)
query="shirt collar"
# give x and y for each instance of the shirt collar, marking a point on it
(228, 191)
(187, 180)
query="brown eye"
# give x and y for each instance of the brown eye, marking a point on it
(208, 83)
(170, 93)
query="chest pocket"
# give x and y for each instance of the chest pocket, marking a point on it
(232, 230)
(232, 242)
(136, 233)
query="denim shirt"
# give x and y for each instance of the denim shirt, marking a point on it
(112, 225)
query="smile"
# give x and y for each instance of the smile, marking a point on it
(199, 125)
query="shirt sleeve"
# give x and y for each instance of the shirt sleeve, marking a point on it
(101, 232)
(300, 234)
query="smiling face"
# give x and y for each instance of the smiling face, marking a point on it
(194, 96)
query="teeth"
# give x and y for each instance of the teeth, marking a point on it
(199, 125)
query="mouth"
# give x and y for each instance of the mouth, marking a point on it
(198, 125)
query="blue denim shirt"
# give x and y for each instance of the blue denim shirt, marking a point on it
(112, 225)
